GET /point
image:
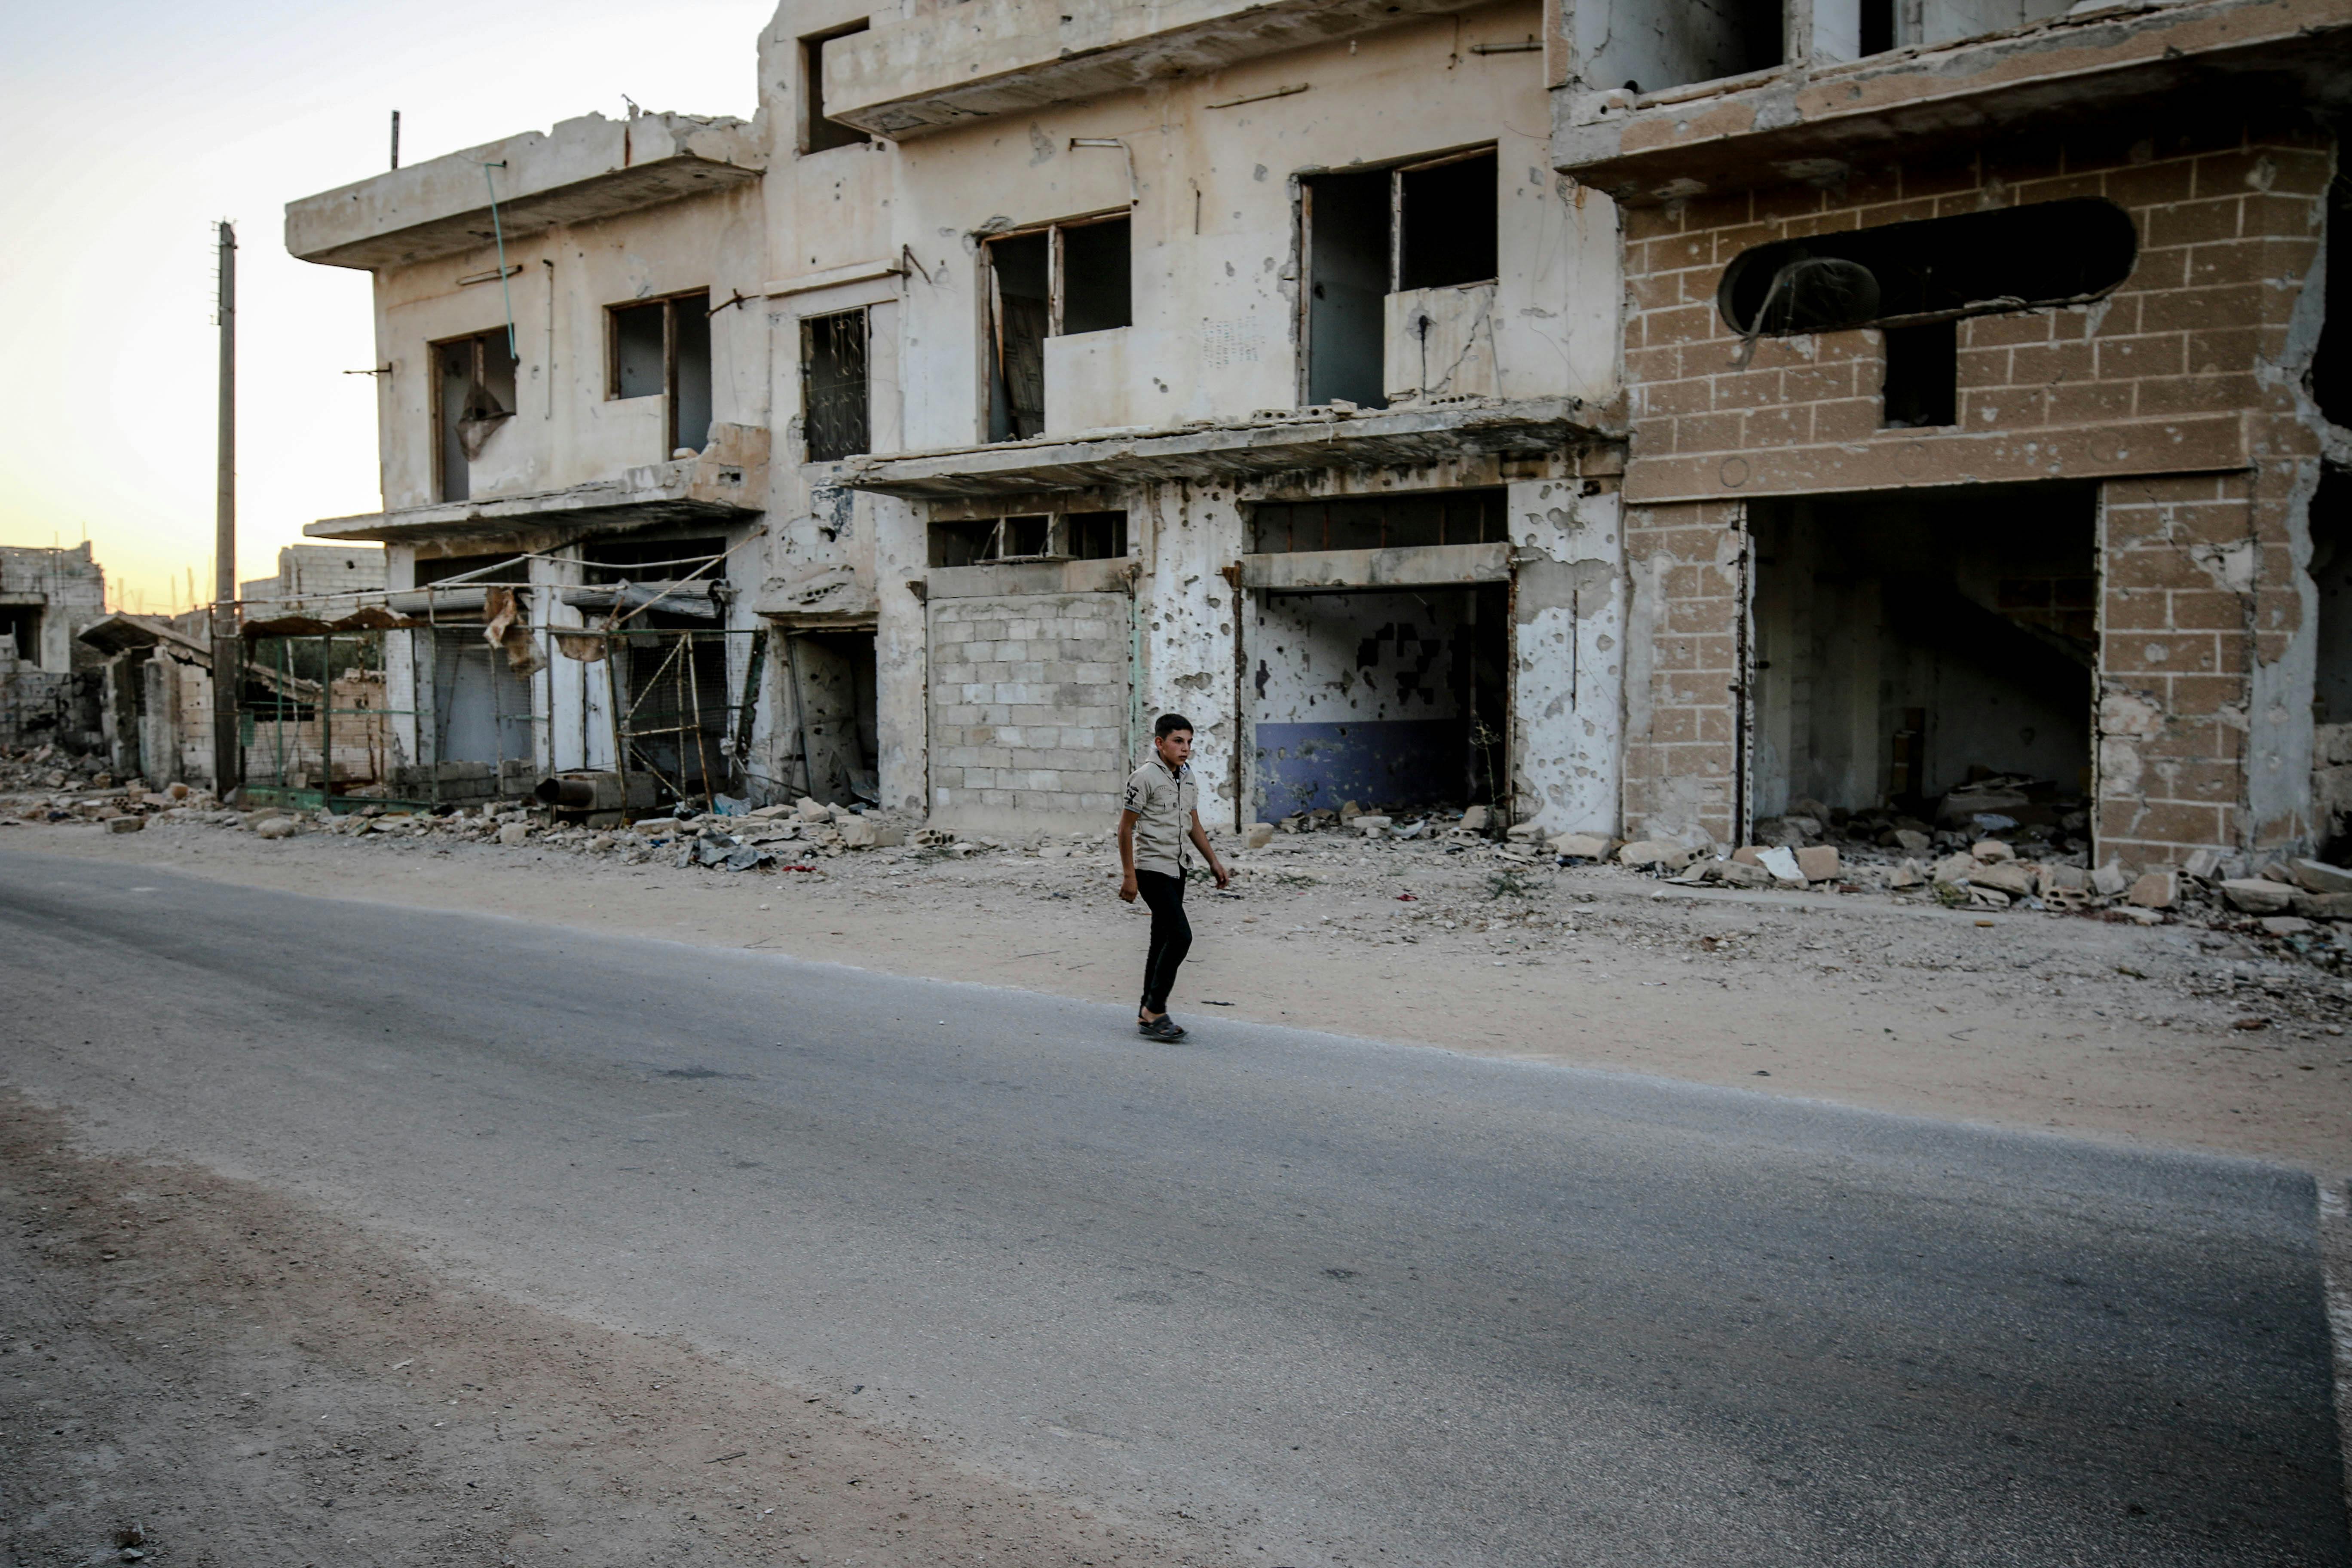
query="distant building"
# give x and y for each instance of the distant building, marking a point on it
(48, 680)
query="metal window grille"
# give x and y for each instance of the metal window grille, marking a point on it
(833, 385)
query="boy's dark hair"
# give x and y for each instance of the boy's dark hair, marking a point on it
(1168, 724)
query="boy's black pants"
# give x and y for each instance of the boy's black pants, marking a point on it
(1172, 935)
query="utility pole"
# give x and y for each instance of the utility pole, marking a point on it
(395, 139)
(228, 648)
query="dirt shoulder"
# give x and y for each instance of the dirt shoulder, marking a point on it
(2168, 1035)
(211, 1374)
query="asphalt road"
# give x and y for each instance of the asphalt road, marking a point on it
(1336, 1299)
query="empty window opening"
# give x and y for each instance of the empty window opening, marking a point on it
(20, 633)
(828, 733)
(1379, 522)
(662, 348)
(1394, 700)
(817, 133)
(1925, 654)
(833, 404)
(1447, 222)
(1876, 27)
(1047, 282)
(474, 394)
(1672, 43)
(2331, 703)
(1366, 235)
(1923, 369)
(1029, 536)
(2331, 361)
(2019, 258)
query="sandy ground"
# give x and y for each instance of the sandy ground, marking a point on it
(205, 1373)
(2171, 1034)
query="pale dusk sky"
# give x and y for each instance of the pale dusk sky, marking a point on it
(132, 127)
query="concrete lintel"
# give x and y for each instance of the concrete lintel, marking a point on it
(1392, 437)
(582, 169)
(960, 63)
(833, 277)
(2214, 443)
(1016, 577)
(1411, 566)
(1811, 124)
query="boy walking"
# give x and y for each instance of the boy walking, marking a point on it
(1162, 811)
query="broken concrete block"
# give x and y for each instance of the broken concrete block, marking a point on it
(2205, 865)
(1649, 852)
(1476, 819)
(2065, 879)
(2109, 880)
(1741, 874)
(1779, 862)
(857, 832)
(2258, 895)
(1818, 862)
(1522, 832)
(813, 809)
(1905, 875)
(2155, 890)
(1954, 869)
(657, 826)
(2006, 877)
(1910, 840)
(1579, 846)
(126, 825)
(2285, 925)
(769, 812)
(2319, 877)
(2321, 906)
(515, 832)
(1259, 836)
(276, 827)
(1991, 849)
(1370, 827)
(1749, 855)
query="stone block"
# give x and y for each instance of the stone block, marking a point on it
(2005, 876)
(2205, 865)
(1647, 852)
(1579, 846)
(2258, 895)
(2063, 879)
(2319, 877)
(2321, 906)
(1779, 862)
(2155, 890)
(1818, 862)
(2109, 881)
(1991, 849)
(2285, 925)
(1741, 874)
(1370, 826)
(1906, 874)
(1259, 836)
(515, 832)
(1475, 818)
(1954, 869)
(812, 809)
(1910, 840)
(126, 825)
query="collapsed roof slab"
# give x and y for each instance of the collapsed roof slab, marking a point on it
(1308, 440)
(1812, 124)
(582, 169)
(985, 58)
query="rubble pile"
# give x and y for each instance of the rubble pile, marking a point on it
(44, 783)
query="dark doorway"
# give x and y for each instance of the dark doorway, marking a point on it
(831, 711)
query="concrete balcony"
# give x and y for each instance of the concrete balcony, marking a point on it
(728, 482)
(582, 169)
(1276, 443)
(1005, 56)
(1809, 122)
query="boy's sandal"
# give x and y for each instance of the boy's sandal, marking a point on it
(1163, 1027)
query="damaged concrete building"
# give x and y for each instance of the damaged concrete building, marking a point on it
(49, 684)
(1635, 416)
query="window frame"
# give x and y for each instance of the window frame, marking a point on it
(670, 305)
(808, 329)
(436, 348)
(990, 300)
(1059, 537)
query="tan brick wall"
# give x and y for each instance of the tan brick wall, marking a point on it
(2178, 390)
(1029, 706)
(1683, 625)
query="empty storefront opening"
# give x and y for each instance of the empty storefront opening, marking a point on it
(1050, 282)
(473, 395)
(662, 348)
(2331, 704)
(1367, 235)
(1389, 697)
(482, 709)
(668, 671)
(830, 731)
(1906, 645)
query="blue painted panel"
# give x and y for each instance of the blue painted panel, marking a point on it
(1395, 762)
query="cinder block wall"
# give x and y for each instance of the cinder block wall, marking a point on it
(1029, 709)
(2181, 391)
